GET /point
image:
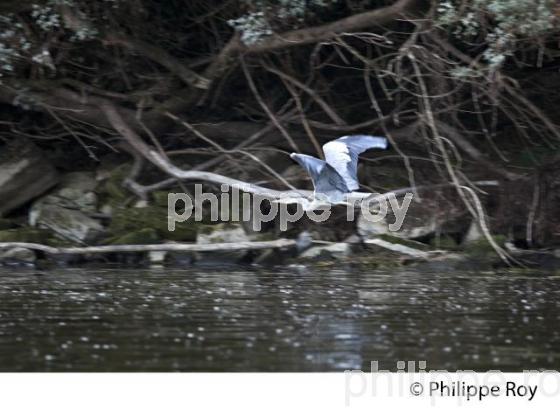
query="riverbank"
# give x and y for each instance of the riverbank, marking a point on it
(87, 212)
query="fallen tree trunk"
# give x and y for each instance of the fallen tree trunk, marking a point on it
(171, 247)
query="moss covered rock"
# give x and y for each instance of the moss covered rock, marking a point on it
(68, 212)
(221, 233)
(111, 189)
(25, 235)
(69, 224)
(482, 248)
(127, 220)
(160, 198)
(139, 237)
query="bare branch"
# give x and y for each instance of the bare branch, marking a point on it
(325, 32)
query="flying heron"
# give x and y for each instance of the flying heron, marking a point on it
(338, 174)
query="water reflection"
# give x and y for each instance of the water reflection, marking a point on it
(285, 320)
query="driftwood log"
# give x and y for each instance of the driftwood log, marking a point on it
(213, 247)
(177, 247)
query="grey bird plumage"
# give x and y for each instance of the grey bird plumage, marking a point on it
(338, 174)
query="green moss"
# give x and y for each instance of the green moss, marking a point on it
(33, 235)
(115, 191)
(267, 236)
(112, 190)
(139, 237)
(160, 198)
(133, 219)
(25, 235)
(59, 242)
(444, 242)
(6, 224)
(482, 248)
(375, 260)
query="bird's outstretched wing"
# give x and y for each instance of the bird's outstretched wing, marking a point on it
(312, 165)
(342, 155)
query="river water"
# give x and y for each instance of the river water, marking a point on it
(291, 319)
